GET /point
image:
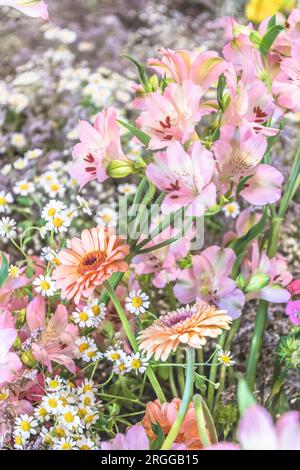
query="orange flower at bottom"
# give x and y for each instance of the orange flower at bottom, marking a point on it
(165, 415)
(189, 326)
(89, 262)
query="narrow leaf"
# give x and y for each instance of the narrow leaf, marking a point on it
(269, 38)
(144, 138)
(244, 396)
(3, 270)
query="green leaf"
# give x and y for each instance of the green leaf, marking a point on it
(3, 270)
(244, 396)
(141, 69)
(269, 38)
(160, 437)
(220, 91)
(144, 138)
(200, 383)
(272, 22)
(239, 245)
(241, 184)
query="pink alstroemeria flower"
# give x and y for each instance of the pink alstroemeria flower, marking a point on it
(185, 178)
(55, 341)
(209, 280)
(162, 263)
(173, 115)
(286, 87)
(276, 268)
(238, 154)
(202, 69)
(257, 431)
(34, 8)
(99, 144)
(134, 439)
(10, 362)
(293, 311)
(245, 221)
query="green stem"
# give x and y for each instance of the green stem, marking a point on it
(186, 399)
(205, 441)
(213, 374)
(132, 339)
(256, 342)
(180, 373)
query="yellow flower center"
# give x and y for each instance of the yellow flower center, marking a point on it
(66, 446)
(52, 403)
(91, 354)
(87, 388)
(69, 417)
(52, 211)
(87, 401)
(24, 186)
(45, 285)
(136, 364)
(83, 347)
(225, 359)
(54, 187)
(18, 440)
(83, 316)
(122, 367)
(84, 447)
(96, 310)
(42, 412)
(115, 356)
(59, 432)
(82, 413)
(54, 384)
(2, 201)
(57, 222)
(106, 218)
(25, 426)
(137, 302)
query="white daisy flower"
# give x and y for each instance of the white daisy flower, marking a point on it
(85, 443)
(47, 178)
(50, 255)
(44, 285)
(18, 140)
(137, 302)
(55, 189)
(84, 205)
(60, 223)
(19, 440)
(114, 355)
(52, 403)
(91, 418)
(91, 355)
(23, 188)
(225, 358)
(6, 169)
(14, 272)
(98, 311)
(33, 154)
(107, 217)
(83, 344)
(83, 317)
(127, 189)
(88, 399)
(20, 163)
(52, 210)
(231, 210)
(69, 419)
(87, 386)
(46, 436)
(41, 414)
(54, 385)
(7, 227)
(66, 443)
(136, 363)
(120, 367)
(25, 425)
(5, 200)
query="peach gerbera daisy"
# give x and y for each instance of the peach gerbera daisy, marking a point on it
(89, 262)
(165, 415)
(189, 325)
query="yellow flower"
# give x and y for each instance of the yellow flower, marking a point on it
(258, 10)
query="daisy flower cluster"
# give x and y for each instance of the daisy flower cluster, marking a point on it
(64, 419)
(124, 363)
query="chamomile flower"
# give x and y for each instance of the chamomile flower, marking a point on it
(66, 443)
(5, 200)
(91, 354)
(55, 189)
(136, 363)
(98, 311)
(46, 436)
(137, 302)
(91, 418)
(87, 386)
(54, 385)
(114, 355)
(82, 344)
(6, 169)
(69, 419)
(47, 178)
(20, 163)
(14, 272)
(25, 425)
(18, 140)
(52, 210)
(231, 210)
(33, 154)
(7, 227)
(127, 189)
(66, 398)
(85, 443)
(50, 255)
(84, 205)
(225, 358)
(44, 285)
(60, 223)
(52, 403)
(19, 440)
(41, 413)
(23, 188)
(120, 367)
(107, 217)
(87, 399)
(83, 317)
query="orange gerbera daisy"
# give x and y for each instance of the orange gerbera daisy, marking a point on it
(189, 325)
(89, 262)
(165, 415)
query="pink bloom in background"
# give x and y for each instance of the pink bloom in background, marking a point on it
(294, 287)
(34, 8)
(134, 439)
(276, 268)
(99, 144)
(186, 178)
(209, 280)
(245, 221)
(55, 337)
(293, 311)
(173, 115)
(203, 69)
(286, 87)
(238, 154)
(10, 363)
(257, 431)
(162, 263)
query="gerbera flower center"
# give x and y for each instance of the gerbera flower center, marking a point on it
(178, 317)
(91, 261)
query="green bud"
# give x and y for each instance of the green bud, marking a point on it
(241, 281)
(28, 359)
(120, 168)
(255, 38)
(257, 282)
(139, 164)
(153, 83)
(30, 271)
